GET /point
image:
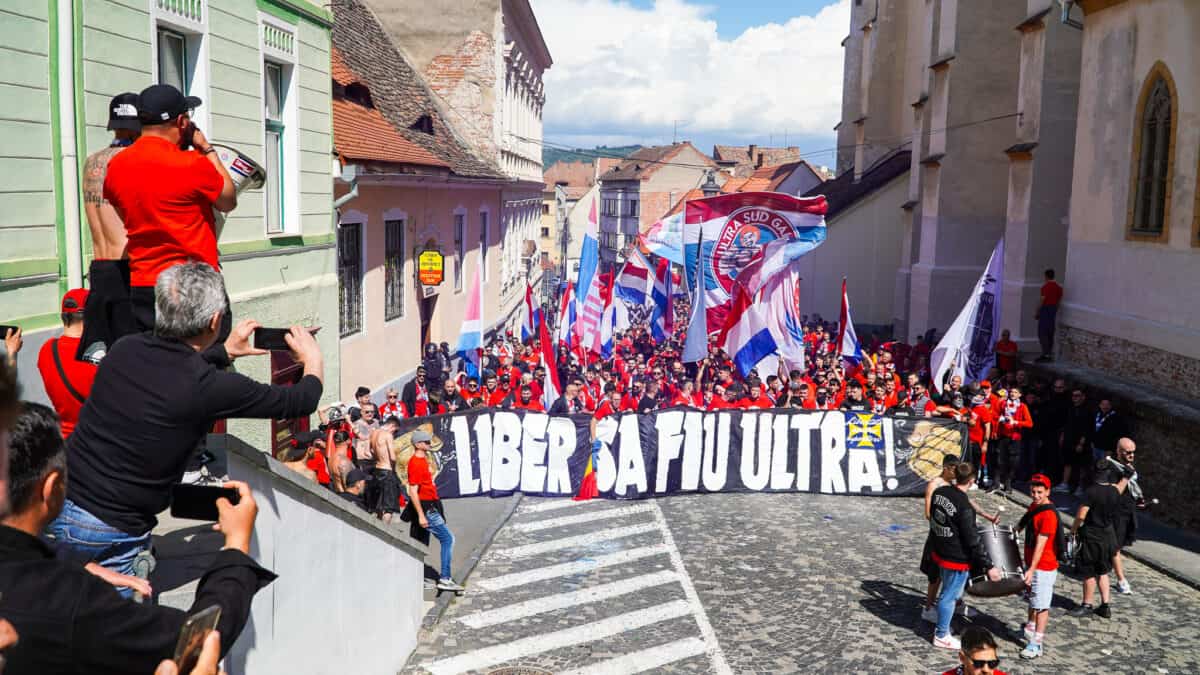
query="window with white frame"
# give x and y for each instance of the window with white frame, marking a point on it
(281, 152)
(180, 49)
(460, 248)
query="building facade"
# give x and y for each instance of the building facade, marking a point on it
(261, 69)
(412, 180)
(1133, 245)
(640, 189)
(483, 62)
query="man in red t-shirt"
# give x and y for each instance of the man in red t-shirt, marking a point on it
(1041, 564)
(1047, 314)
(67, 381)
(1006, 352)
(423, 501)
(165, 195)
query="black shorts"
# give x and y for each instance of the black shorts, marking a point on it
(1096, 551)
(108, 314)
(386, 492)
(928, 567)
(1125, 527)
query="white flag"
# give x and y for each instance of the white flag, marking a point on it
(968, 347)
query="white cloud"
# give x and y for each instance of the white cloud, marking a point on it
(623, 72)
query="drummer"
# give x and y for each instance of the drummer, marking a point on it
(165, 194)
(1094, 525)
(956, 548)
(928, 566)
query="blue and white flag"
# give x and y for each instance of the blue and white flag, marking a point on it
(746, 336)
(968, 349)
(848, 345)
(662, 321)
(634, 280)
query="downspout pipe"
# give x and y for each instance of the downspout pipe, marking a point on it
(1065, 18)
(68, 142)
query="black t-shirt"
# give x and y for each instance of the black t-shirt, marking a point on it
(1104, 505)
(647, 404)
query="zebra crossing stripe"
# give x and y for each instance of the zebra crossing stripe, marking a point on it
(578, 541)
(567, 569)
(558, 601)
(645, 659)
(537, 644)
(562, 521)
(554, 504)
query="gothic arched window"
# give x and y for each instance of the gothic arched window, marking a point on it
(1153, 156)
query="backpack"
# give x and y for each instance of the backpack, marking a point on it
(1060, 534)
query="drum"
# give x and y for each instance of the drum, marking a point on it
(245, 172)
(1001, 546)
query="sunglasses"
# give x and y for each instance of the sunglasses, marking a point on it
(980, 663)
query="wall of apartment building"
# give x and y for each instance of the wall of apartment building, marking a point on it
(387, 350)
(669, 182)
(52, 119)
(862, 245)
(494, 92)
(1130, 305)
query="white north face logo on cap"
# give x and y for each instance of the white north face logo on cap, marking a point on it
(125, 110)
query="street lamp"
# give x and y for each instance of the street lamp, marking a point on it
(710, 187)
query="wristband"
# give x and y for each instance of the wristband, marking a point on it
(210, 149)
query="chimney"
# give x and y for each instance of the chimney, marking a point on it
(753, 149)
(758, 162)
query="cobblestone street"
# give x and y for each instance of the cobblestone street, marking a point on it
(762, 583)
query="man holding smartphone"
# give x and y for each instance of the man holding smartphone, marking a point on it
(164, 187)
(70, 621)
(154, 399)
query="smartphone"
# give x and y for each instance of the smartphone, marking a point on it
(4, 328)
(271, 339)
(199, 502)
(192, 635)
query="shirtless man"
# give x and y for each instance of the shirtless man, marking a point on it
(928, 566)
(108, 313)
(387, 488)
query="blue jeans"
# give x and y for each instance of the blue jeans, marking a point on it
(437, 527)
(78, 535)
(953, 583)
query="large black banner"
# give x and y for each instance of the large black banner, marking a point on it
(679, 450)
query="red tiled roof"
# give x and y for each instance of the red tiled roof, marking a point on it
(642, 163)
(572, 174)
(338, 69)
(362, 133)
(734, 185)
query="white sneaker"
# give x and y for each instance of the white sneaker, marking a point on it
(948, 642)
(929, 614)
(1123, 588)
(964, 610)
(449, 585)
(973, 487)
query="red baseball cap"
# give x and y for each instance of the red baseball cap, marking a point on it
(986, 384)
(74, 301)
(1041, 479)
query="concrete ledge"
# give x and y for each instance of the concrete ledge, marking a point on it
(1143, 402)
(312, 492)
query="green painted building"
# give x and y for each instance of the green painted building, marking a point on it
(262, 70)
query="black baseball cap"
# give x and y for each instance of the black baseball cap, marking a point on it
(123, 112)
(162, 103)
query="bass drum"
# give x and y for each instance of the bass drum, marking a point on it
(1001, 546)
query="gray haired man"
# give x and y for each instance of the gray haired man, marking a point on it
(155, 397)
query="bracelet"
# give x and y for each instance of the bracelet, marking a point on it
(210, 149)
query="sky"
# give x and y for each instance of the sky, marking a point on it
(731, 72)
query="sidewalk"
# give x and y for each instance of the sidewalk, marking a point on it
(1171, 551)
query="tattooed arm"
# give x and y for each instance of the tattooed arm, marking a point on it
(108, 231)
